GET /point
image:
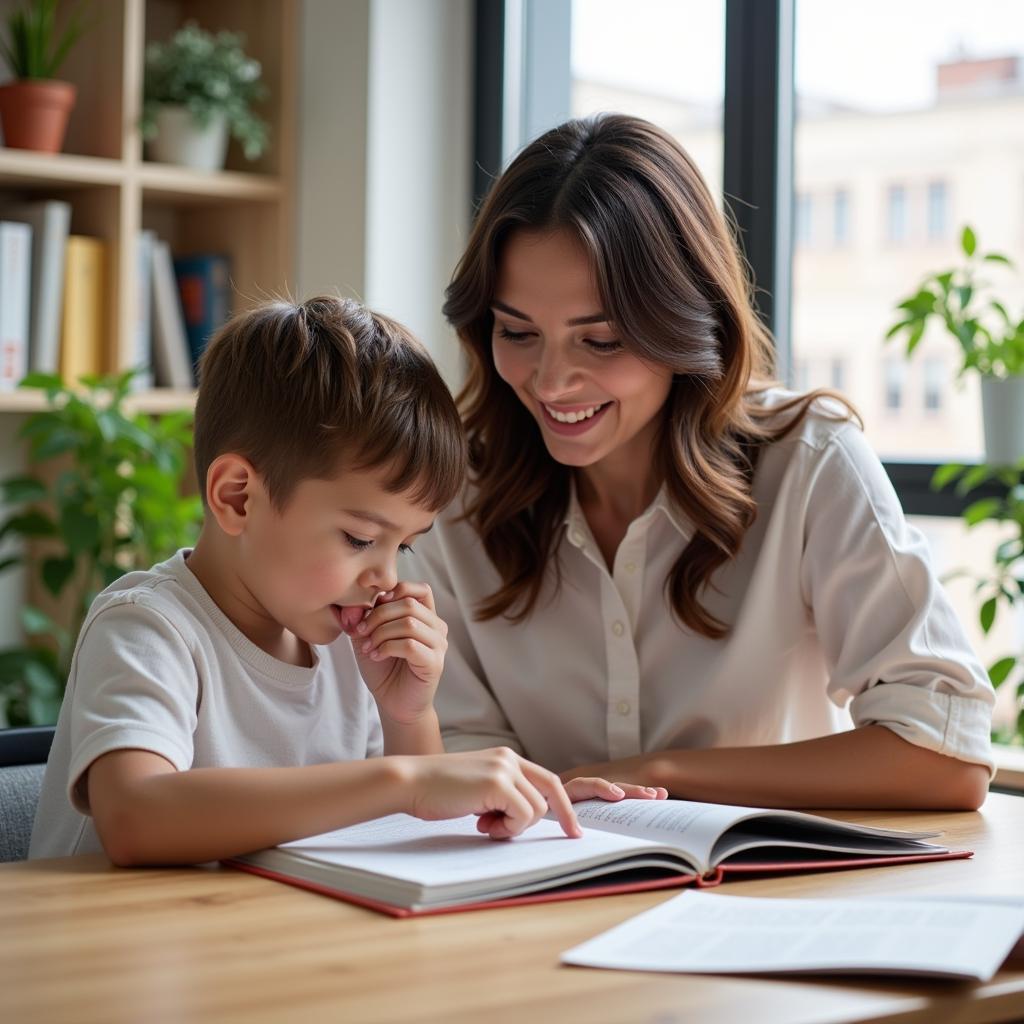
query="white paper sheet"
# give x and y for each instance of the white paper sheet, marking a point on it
(711, 933)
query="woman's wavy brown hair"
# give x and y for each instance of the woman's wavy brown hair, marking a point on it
(672, 282)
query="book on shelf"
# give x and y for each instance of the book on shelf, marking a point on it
(50, 220)
(172, 361)
(84, 326)
(140, 356)
(204, 284)
(15, 278)
(713, 933)
(402, 866)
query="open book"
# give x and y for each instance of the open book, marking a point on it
(401, 865)
(705, 933)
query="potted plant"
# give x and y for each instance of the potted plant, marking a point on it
(113, 503)
(991, 340)
(1001, 585)
(200, 87)
(35, 107)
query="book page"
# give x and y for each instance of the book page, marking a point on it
(691, 826)
(697, 829)
(432, 853)
(715, 934)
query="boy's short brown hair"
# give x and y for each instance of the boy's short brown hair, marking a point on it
(304, 391)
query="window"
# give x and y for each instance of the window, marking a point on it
(896, 214)
(841, 217)
(838, 374)
(803, 214)
(926, 136)
(895, 375)
(936, 373)
(659, 59)
(937, 227)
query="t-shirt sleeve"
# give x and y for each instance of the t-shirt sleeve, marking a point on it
(134, 685)
(470, 715)
(894, 646)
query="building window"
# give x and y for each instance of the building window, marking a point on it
(936, 211)
(895, 375)
(804, 212)
(841, 217)
(934, 384)
(896, 214)
(837, 374)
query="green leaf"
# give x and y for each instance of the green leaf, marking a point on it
(987, 615)
(945, 474)
(915, 337)
(60, 441)
(29, 524)
(36, 622)
(20, 490)
(985, 508)
(896, 328)
(42, 382)
(968, 242)
(972, 478)
(998, 672)
(80, 530)
(997, 257)
(56, 572)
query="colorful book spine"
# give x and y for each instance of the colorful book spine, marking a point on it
(171, 358)
(15, 284)
(85, 322)
(50, 221)
(204, 284)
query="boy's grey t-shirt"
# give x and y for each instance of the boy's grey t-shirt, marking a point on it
(160, 667)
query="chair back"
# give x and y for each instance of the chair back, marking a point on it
(23, 754)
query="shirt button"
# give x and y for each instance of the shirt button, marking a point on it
(623, 707)
(631, 567)
(618, 628)
(576, 537)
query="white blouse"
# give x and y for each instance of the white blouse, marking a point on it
(836, 620)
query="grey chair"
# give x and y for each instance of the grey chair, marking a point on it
(23, 754)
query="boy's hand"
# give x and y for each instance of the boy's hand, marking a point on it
(400, 648)
(508, 792)
(590, 788)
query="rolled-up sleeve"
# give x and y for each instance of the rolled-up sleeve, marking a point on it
(895, 650)
(471, 717)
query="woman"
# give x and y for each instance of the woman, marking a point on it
(666, 569)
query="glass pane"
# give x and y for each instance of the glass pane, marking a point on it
(659, 59)
(910, 124)
(955, 548)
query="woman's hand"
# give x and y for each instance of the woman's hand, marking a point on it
(592, 788)
(400, 648)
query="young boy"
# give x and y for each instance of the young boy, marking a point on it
(214, 705)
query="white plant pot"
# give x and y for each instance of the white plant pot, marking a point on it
(1002, 407)
(179, 140)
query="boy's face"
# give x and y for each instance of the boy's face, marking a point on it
(316, 567)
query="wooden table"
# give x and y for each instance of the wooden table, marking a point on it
(83, 942)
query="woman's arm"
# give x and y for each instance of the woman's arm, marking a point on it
(868, 767)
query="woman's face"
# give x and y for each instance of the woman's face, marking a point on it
(554, 347)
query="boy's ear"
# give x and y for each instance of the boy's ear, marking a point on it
(231, 483)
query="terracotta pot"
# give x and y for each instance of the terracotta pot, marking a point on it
(34, 113)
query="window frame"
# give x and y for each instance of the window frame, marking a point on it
(759, 119)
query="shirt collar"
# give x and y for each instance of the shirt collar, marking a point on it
(576, 523)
